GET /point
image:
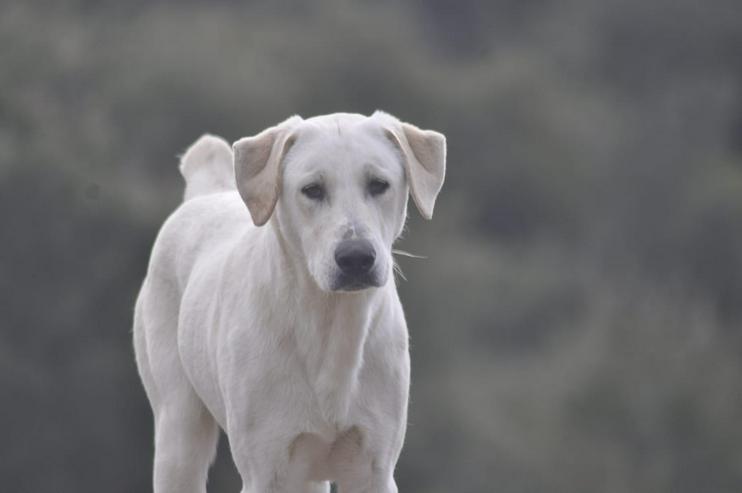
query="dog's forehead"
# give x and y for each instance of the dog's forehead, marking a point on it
(339, 128)
(342, 139)
(335, 119)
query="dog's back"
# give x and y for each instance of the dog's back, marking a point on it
(210, 218)
(199, 232)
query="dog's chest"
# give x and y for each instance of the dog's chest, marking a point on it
(332, 350)
(324, 457)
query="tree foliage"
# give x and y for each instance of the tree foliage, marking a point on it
(575, 323)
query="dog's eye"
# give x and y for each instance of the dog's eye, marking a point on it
(314, 191)
(377, 186)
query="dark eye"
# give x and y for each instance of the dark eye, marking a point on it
(377, 186)
(314, 191)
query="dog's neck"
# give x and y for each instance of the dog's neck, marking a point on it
(329, 329)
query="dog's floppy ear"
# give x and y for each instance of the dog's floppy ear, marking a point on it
(424, 156)
(257, 167)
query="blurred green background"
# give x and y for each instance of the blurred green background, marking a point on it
(575, 326)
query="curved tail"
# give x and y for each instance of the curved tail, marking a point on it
(207, 167)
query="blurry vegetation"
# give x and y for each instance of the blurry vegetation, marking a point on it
(575, 326)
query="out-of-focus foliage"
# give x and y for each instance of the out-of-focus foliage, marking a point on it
(575, 326)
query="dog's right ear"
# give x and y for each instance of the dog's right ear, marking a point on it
(257, 167)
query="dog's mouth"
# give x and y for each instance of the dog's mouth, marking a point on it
(343, 282)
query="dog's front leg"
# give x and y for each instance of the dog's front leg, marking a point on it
(368, 468)
(367, 478)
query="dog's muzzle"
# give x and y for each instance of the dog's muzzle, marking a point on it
(355, 260)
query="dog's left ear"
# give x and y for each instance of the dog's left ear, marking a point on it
(257, 167)
(424, 156)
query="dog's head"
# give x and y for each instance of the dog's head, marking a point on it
(336, 187)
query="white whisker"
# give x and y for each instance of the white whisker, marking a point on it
(406, 254)
(398, 270)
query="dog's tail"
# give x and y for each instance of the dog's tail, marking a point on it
(207, 167)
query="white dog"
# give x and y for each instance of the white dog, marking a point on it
(285, 331)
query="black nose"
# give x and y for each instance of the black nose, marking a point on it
(355, 257)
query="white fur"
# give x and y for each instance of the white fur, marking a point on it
(237, 326)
